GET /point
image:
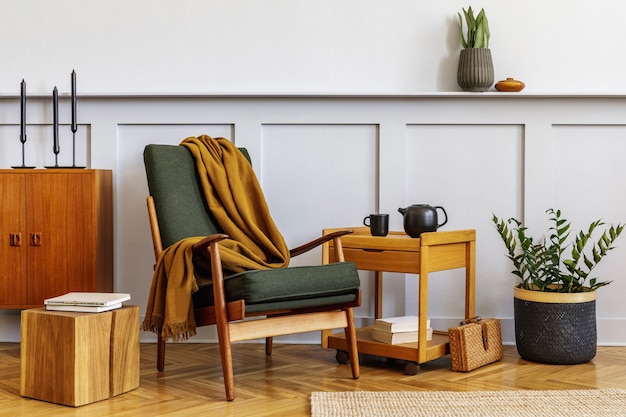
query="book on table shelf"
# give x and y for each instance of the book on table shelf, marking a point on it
(93, 299)
(398, 324)
(82, 308)
(398, 338)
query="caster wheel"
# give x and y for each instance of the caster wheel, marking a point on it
(342, 356)
(411, 368)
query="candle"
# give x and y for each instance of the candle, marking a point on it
(74, 126)
(23, 113)
(55, 119)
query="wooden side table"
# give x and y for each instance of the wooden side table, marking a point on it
(397, 252)
(73, 358)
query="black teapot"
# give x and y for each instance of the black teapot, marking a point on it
(420, 218)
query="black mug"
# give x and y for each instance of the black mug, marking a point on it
(378, 224)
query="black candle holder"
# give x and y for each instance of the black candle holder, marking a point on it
(56, 165)
(23, 125)
(57, 150)
(74, 128)
(56, 159)
(74, 125)
(23, 166)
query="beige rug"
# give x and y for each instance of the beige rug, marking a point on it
(578, 403)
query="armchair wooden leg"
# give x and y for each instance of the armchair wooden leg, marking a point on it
(223, 334)
(269, 342)
(351, 344)
(160, 351)
(221, 319)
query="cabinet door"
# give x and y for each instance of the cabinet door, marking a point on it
(13, 241)
(59, 220)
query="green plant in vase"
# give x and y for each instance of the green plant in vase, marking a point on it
(475, 71)
(555, 299)
(542, 264)
(477, 29)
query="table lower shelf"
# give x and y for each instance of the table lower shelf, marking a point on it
(437, 347)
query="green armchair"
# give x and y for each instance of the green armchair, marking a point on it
(291, 300)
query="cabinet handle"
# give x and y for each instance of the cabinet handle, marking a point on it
(15, 239)
(35, 239)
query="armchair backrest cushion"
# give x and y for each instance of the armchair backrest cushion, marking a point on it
(173, 183)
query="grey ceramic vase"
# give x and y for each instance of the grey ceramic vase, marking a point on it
(475, 71)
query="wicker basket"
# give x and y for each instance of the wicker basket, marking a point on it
(553, 332)
(474, 343)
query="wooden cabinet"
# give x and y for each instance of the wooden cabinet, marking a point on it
(56, 234)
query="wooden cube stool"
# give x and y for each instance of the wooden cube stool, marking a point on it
(76, 358)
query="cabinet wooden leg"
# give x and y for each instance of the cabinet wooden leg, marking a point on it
(378, 294)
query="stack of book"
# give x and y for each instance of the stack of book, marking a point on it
(398, 330)
(89, 302)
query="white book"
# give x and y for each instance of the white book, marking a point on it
(88, 299)
(398, 324)
(399, 337)
(82, 308)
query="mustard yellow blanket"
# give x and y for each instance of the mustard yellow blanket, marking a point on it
(236, 200)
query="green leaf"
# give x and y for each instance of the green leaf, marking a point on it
(486, 31)
(479, 37)
(477, 34)
(540, 263)
(462, 38)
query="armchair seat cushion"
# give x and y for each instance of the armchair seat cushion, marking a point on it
(288, 288)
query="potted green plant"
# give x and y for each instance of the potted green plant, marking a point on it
(475, 71)
(554, 301)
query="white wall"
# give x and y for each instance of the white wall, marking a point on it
(302, 45)
(397, 149)
(327, 161)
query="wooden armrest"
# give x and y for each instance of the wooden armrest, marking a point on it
(201, 253)
(320, 240)
(206, 242)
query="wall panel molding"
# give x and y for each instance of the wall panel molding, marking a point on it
(474, 154)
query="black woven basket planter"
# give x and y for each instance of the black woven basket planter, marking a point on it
(562, 333)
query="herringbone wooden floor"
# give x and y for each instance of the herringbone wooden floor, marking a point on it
(280, 385)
